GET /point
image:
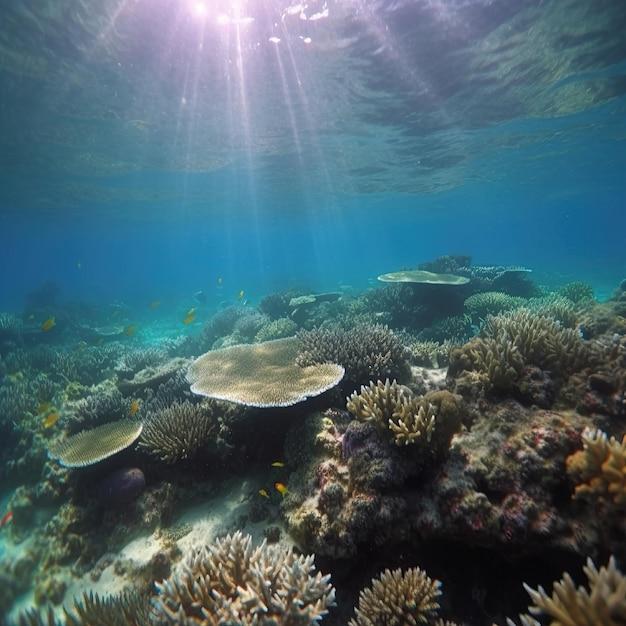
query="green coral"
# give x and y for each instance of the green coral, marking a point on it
(480, 305)
(276, 329)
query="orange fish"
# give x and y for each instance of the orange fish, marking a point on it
(281, 488)
(6, 519)
(135, 405)
(130, 330)
(263, 492)
(51, 419)
(155, 304)
(49, 324)
(190, 317)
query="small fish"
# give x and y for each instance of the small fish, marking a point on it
(135, 405)
(263, 492)
(51, 419)
(241, 294)
(190, 317)
(79, 265)
(6, 519)
(44, 407)
(130, 330)
(220, 280)
(281, 488)
(278, 464)
(155, 304)
(31, 317)
(200, 297)
(49, 324)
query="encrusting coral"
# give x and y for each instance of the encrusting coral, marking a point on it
(600, 467)
(398, 598)
(231, 581)
(366, 351)
(602, 604)
(92, 446)
(262, 374)
(408, 417)
(177, 432)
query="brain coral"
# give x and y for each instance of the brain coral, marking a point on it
(91, 446)
(603, 604)
(262, 374)
(398, 598)
(232, 582)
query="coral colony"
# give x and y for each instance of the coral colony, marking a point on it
(449, 446)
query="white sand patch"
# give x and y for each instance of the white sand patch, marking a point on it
(226, 510)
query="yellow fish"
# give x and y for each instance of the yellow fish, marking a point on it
(263, 492)
(220, 280)
(155, 304)
(278, 464)
(130, 330)
(241, 294)
(190, 317)
(50, 420)
(49, 324)
(44, 407)
(135, 405)
(281, 488)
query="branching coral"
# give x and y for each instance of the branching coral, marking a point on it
(398, 598)
(366, 351)
(603, 603)
(408, 417)
(600, 467)
(230, 581)
(577, 292)
(276, 329)
(430, 353)
(177, 432)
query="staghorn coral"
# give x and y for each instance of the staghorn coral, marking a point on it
(366, 351)
(138, 359)
(249, 324)
(603, 603)
(480, 305)
(177, 432)
(408, 417)
(455, 328)
(600, 468)
(105, 404)
(276, 329)
(556, 307)
(262, 374)
(430, 353)
(230, 581)
(398, 598)
(92, 446)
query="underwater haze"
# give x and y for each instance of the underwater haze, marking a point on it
(338, 278)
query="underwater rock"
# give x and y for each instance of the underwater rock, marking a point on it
(121, 487)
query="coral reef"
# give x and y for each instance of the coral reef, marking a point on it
(577, 291)
(396, 598)
(231, 581)
(480, 305)
(603, 602)
(262, 374)
(177, 432)
(121, 487)
(409, 418)
(276, 329)
(430, 353)
(367, 352)
(92, 446)
(600, 469)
